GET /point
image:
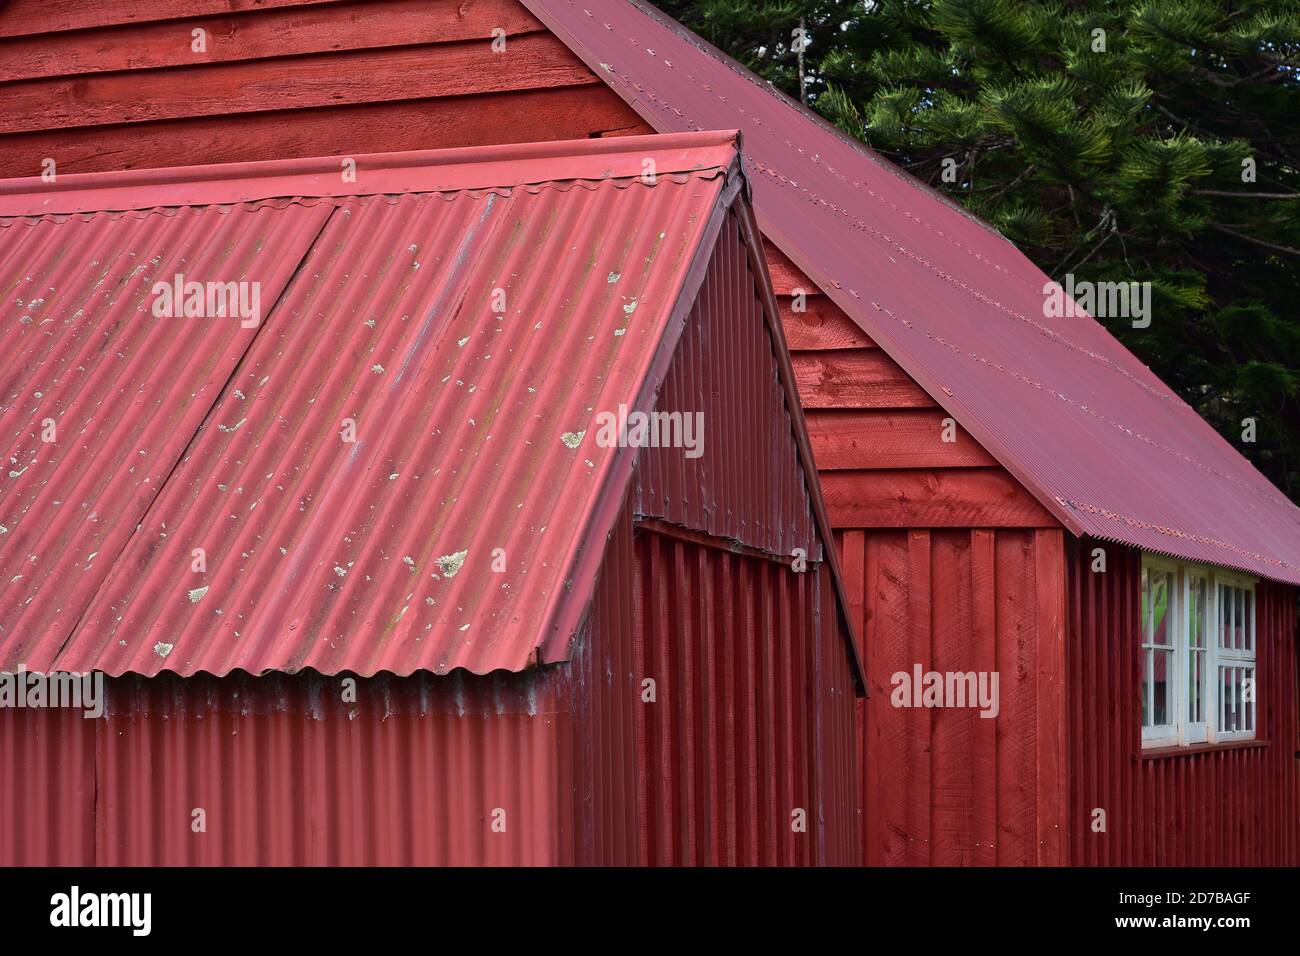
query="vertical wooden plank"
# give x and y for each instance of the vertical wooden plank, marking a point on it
(888, 651)
(952, 741)
(1014, 591)
(920, 651)
(853, 569)
(1049, 629)
(983, 634)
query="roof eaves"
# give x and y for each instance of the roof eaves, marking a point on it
(422, 171)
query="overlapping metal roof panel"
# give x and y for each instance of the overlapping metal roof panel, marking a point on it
(97, 401)
(1106, 446)
(396, 472)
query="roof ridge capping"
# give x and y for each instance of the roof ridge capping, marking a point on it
(417, 171)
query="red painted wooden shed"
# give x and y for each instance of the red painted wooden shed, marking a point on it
(372, 577)
(919, 323)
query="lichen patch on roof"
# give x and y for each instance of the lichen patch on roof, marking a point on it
(287, 536)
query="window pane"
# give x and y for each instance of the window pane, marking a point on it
(1196, 686)
(1228, 706)
(1196, 613)
(1162, 687)
(1161, 590)
(1238, 618)
(1249, 695)
(1248, 620)
(1236, 713)
(1144, 686)
(1232, 615)
(1225, 614)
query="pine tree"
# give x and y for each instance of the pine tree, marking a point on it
(1114, 140)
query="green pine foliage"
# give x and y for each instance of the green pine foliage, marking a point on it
(1108, 139)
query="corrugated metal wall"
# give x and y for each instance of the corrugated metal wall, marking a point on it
(47, 788)
(748, 484)
(287, 772)
(1218, 807)
(751, 731)
(946, 787)
(753, 716)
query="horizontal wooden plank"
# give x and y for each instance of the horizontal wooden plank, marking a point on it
(786, 276)
(574, 112)
(289, 31)
(863, 378)
(531, 61)
(890, 439)
(821, 325)
(26, 17)
(941, 498)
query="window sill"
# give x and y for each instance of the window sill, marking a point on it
(1156, 753)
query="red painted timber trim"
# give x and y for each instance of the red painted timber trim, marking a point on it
(1166, 752)
(56, 16)
(931, 498)
(705, 540)
(557, 113)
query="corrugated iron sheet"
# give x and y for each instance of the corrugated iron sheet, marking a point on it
(423, 770)
(98, 399)
(755, 678)
(1106, 446)
(752, 731)
(751, 485)
(460, 527)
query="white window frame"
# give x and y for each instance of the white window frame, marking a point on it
(1227, 657)
(1183, 732)
(1167, 735)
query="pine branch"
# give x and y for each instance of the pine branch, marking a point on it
(1259, 242)
(1243, 195)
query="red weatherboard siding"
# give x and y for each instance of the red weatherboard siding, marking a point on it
(100, 86)
(948, 787)
(1220, 807)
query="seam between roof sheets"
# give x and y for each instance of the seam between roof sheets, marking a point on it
(280, 202)
(182, 458)
(1175, 533)
(1119, 426)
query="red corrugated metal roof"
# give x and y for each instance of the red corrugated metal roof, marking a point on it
(367, 555)
(1089, 430)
